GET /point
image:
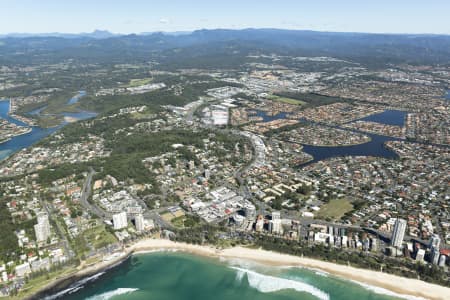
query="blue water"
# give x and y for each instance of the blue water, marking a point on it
(373, 148)
(81, 115)
(76, 98)
(23, 141)
(388, 117)
(4, 110)
(267, 118)
(37, 133)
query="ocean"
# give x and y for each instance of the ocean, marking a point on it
(173, 275)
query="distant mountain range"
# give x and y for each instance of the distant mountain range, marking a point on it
(182, 46)
(96, 34)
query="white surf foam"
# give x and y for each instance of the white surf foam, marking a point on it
(74, 287)
(268, 284)
(320, 273)
(110, 294)
(383, 291)
(160, 250)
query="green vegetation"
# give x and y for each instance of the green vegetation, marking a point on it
(312, 99)
(128, 151)
(286, 100)
(98, 237)
(335, 209)
(47, 121)
(92, 239)
(8, 240)
(37, 280)
(186, 221)
(46, 176)
(190, 92)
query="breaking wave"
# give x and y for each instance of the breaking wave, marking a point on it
(268, 284)
(383, 291)
(74, 287)
(110, 294)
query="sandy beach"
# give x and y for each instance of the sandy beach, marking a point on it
(70, 119)
(397, 284)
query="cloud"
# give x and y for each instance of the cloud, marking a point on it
(164, 21)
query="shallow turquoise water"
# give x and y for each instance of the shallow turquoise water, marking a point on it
(170, 276)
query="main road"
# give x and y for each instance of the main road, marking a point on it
(84, 199)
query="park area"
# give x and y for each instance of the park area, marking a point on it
(335, 209)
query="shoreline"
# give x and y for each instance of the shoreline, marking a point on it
(364, 277)
(16, 135)
(75, 276)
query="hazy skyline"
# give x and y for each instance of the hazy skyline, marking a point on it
(134, 16)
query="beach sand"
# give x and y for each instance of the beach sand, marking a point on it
(70, 119)
(397, 284)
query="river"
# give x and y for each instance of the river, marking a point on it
(37, 133)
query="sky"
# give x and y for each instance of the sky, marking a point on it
(136, 16)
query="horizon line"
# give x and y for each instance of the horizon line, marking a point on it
(210, 29)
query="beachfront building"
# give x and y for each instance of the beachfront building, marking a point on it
(399, 233)
(120, 220)
(275, 226)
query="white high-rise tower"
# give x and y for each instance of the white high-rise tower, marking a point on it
(42, 228)
(399, 233)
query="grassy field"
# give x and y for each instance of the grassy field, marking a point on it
(96, 237)
(138, 82)
(185, 221)
(99, 237)
(334, 209)
(286, 100)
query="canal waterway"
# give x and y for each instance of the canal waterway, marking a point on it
(388, 117)
(375, 147)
